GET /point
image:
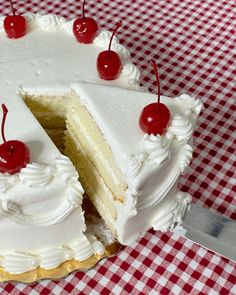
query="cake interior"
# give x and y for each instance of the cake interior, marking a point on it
(50, 112)
(71, 127)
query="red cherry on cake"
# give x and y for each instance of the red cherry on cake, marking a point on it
(14, 25)
(14, 154)
(85, 28)
(155, 117)
(109, 63)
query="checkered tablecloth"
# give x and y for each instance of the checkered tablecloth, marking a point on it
(193, 42)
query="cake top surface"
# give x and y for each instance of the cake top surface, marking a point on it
(49, 54)
(117, 112)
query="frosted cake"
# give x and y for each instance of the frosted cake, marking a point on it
(129, 176)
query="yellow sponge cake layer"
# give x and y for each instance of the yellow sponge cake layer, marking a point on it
(84, 128)
(57, 136)
(95, 188)
(49, 111)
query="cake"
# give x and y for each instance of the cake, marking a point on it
(50, 85)
(130, 177)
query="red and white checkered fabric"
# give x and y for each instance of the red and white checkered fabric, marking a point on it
(193, 43)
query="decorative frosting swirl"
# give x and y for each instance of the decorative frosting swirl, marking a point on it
(180, 127)
(49, 22)
(7, 181)
(30, 19)
(136, 162)
(19, 262)
(156, 147)
(183, 201)
(190, 105)
(130, 71)
(10, 206)
(174, 218)
(68, 27)
(66, 171)
(64, 167)
(36, 175)
(186, 154)
(53, 257)
(152, 148)
(97, 245)
(103, 39)
(82, 250)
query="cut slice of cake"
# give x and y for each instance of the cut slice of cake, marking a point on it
(129, 176)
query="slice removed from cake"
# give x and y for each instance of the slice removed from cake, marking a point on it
(129, 176)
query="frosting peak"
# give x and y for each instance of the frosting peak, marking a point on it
(181, 128)
(49, 22)
(156, 148)
(189, 104)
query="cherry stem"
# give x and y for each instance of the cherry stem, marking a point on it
(157, 80)
(83, 9)
(5, 111)
(119, 24)
(12, 7)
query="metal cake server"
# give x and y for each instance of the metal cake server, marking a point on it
(211, 230)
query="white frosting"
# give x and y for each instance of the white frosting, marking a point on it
(181, 128)
(68, 27)
(130, 71)
(152, 148)
(156, 148)
(169, 219)
(185, 157)
(189, 104)
(6, 181)
(36, 175)
(30, 20)
(49, 22)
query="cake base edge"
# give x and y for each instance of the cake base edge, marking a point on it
(61, 271)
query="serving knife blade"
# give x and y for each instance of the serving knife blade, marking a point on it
(211, 230)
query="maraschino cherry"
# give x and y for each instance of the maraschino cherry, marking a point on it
(14, 154)
(155, 117)
(14, 25)
(109, 63)
(85, 28)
